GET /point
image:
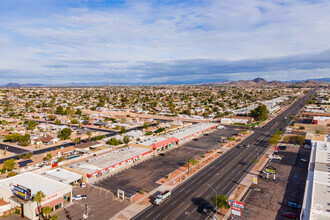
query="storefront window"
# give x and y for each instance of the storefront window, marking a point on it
(58, 206)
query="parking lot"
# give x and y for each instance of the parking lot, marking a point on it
(272, 199)
(144, 176)
(101, 204)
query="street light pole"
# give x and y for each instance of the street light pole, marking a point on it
(216, 197)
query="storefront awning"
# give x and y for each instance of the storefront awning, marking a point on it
(52, 203)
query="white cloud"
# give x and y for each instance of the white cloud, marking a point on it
(223, 30)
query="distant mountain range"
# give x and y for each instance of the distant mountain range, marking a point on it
(257, 81)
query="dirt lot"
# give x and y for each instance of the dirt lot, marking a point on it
(272, 199)
(101, 204)
(145, 175)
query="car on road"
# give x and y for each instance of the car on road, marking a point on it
(207, 209)
(289, 215)
(240, 146)
(79, 197)
(246, 145)
(304, 160)
(294, 205)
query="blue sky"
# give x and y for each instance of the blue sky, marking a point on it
(52, 41)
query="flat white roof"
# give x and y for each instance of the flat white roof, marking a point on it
(151, 140)
(62, 175)
(35, 182)
(112, 158)
(317, 195)
(193, 129)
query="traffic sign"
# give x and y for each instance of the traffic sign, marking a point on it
(236, 211)
(236, 204)
(255, 180)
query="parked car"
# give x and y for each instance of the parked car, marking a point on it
(162, 154)
(79, 197)
(83, 185)
(283, 147)
(207, 209)
(294, 205)
(289, 215)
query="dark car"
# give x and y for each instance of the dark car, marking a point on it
(289, 215)
(294, 205)
(162, 154)
(207, 209)
(240, 146)
(282, 147)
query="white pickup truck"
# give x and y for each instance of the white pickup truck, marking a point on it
(162, 197)
(79, 197)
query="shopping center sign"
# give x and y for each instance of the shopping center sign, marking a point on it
(236, 204)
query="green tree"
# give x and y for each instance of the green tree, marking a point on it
(113, 141)
(193, 162)
(52, 117)
(260, 113)
(28, 156)
(76, 141)
(38, 197)
(9, 164)
(89, 134)
(78, 111)
(57, 122)
(122, 130)
(65, 133)
(48, 156)
(24, 140)
(31, 125)
(221, 202)
(46, 210)
(59, 110)
(54, 217)
(11, 173)
(126, 140)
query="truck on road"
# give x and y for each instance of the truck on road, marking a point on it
(162, 197)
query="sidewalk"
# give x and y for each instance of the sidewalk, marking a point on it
(246, 182)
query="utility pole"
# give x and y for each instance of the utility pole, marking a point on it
(85, 215)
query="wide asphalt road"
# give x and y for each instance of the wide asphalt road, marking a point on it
(222, 175)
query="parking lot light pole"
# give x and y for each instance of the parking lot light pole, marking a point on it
(216, 197)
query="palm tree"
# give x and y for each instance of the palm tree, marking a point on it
(76, 141)
(89, 134)
(38, 197)
(46, 210)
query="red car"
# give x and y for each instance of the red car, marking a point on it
(289, 215)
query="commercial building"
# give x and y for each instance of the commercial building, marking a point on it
(188, 133)
(19, 192)
(236, 120)
(159, 143)
(105, 164)
(63, 176)
(316, 204)
(319, 120)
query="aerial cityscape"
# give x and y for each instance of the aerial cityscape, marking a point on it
(174, 109)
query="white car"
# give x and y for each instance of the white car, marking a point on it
(83, 185)
(276, 157)
(79, 197)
